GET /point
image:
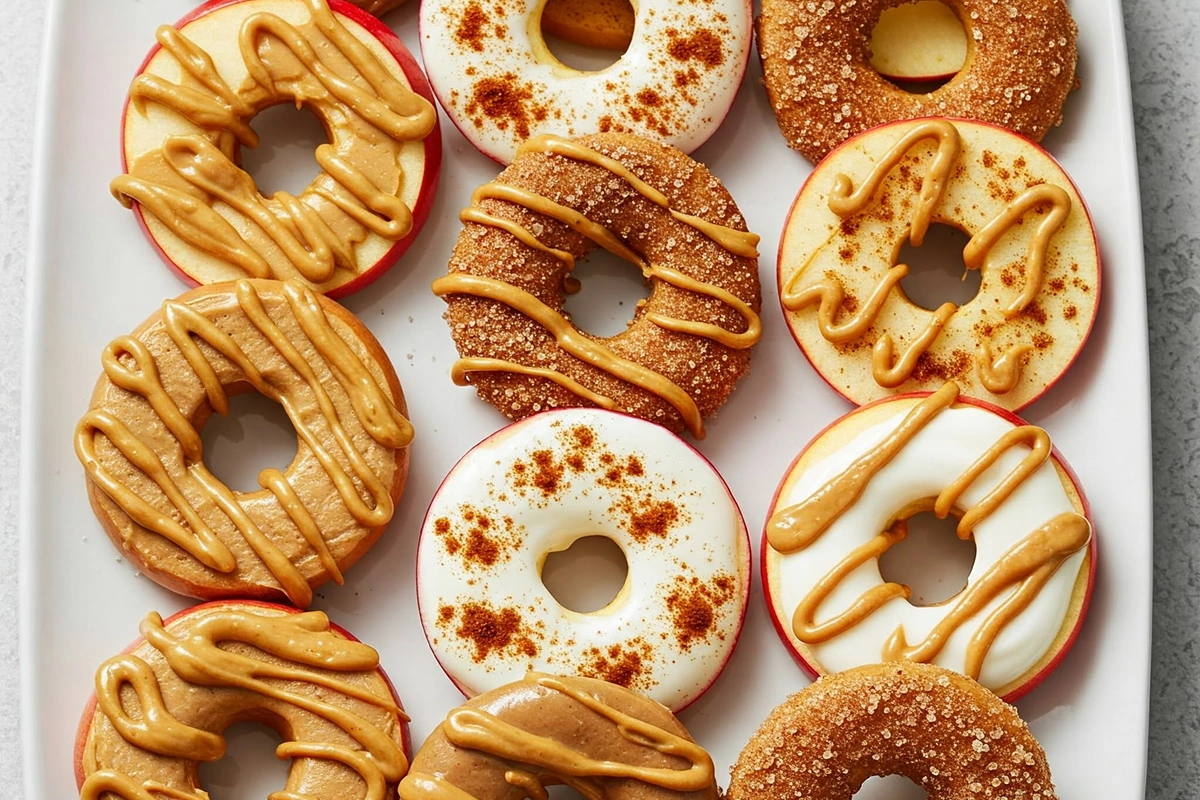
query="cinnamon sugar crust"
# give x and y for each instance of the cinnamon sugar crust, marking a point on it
(704, 368)
(941, 730)
(1020, 65)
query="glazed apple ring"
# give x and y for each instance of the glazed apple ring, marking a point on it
(161, 708)
(845, 500)
(140, 442)
(500, 84)
(1031, 240)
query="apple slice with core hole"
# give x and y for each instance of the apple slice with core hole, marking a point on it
(184, 127)
(1030, 237)
(1035, 550)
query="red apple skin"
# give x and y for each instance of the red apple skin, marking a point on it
(781, 625)
(740, 75)
(1083, 205)
(89, 710)
(745, 565)
(433, 144)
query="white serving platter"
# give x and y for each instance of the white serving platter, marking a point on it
(92, 277)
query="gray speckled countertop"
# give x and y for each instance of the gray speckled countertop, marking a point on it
(1165, 67)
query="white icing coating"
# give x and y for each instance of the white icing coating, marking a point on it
(934, 458)
(674, 84)
(696, 563)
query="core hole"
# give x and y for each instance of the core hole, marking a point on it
(249, 770)
(285, 158)
(586, 576)
(588, 46)
(609, 291)
(919, 46)
(890, 787)
(936, 273)
(932, 560)
(255, 435)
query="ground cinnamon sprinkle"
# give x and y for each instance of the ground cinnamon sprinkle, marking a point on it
(491, 631)
(625, 665)
(470, 27)
(693, 607)
(548, 474)
(703, 46)
(505, 102)
(488, 539)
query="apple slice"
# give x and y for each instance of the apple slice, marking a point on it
(823, 587)
(918, 42)
(183, 129)
(537, 486)
(345, 689)
(1033, 244)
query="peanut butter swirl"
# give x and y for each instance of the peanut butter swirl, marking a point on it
(290, 663)
(846, 201)
(1024, 568)
(130, 365)
(193, 186)
(737, 242)
(536, 761)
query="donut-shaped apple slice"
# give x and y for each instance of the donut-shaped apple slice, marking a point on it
(846, 500)
(190, 113)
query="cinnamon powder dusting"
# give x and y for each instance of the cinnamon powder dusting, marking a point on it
(703, 46)
(648, 517)
(487, 540)
(693, 608)
(505, 102)
(491, 631)
(470, 31)
(623, 664)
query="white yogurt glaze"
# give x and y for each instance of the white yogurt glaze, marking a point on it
(541, 484)
(500, 84)
(934, 458)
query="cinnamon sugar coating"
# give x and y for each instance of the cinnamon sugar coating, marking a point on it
(941, 730)
(704, 368)
(1020, 65)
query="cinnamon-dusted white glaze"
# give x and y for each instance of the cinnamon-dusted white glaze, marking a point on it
(141, 447)
(162, 707)
(843, 504)
(500, 84)
(535, 488)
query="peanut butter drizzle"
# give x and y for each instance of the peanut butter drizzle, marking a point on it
(1000, 375)
(110, 782)
(742, 243)
(1039, 443)
(804, 626)
(463, 366)
(304, 639)
(574, 342)
(798, 526)
(830, 294)
(845, 203)
(981, 243)
(888, 373)
(477, 730)
(738, 242)
(1029, 563)
(312, 238)
(377, 414)
(528, 783)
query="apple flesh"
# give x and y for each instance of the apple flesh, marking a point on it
(993, 166)
(846, 428)
(215, 26)
(918, 42)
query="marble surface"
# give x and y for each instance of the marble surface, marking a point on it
(1165, 67)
